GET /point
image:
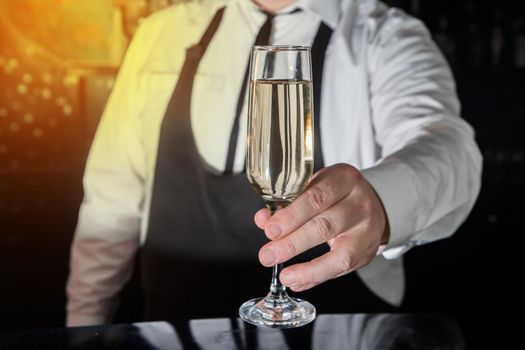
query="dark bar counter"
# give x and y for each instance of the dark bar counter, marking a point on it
(344, 331)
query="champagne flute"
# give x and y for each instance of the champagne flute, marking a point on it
(279, 159)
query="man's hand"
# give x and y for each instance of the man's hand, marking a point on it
(339, 207)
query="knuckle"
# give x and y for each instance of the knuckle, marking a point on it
(353, 174)
(305, 274)
(345, 264)
(313, 279)
(316, 198)
(309, 278)
(290, 248)
(368, 205)
(286, 217)
(324, 228)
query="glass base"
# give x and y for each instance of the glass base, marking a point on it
(277, 312)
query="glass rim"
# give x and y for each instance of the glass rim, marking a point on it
(281, 48)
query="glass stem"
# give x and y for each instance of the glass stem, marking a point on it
(277, 290)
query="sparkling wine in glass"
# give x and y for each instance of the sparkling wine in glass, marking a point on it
(279, 158)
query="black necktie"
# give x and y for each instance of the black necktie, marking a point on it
(262, 38)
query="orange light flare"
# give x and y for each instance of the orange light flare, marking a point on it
(58, 59)
(41, 101)
(68, 29)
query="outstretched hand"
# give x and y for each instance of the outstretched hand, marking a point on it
(339, 207)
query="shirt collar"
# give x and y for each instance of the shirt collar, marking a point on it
(328, 10)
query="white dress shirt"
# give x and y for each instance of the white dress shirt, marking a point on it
(389, 107)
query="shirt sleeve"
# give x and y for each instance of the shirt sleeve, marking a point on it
(429, 174)
(107, 232)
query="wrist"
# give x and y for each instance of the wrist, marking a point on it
(78, 320)
(384, 239)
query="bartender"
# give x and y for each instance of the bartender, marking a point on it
(396, 166)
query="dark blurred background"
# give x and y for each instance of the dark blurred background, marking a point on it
(58, 60)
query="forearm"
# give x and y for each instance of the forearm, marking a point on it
(99, 269)
(430, 185)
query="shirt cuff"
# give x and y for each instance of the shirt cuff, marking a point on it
(394, 182)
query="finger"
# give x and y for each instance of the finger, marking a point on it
(327, 188)
(316, 231)
(262, 217)
(303, 287)
(328, 266)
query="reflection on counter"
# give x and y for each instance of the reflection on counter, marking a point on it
(353, 332)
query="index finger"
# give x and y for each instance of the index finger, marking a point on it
(328, 187)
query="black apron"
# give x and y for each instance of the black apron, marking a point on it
(200, 254)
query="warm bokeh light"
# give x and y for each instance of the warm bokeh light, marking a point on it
(58, 61)
(60, 28)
